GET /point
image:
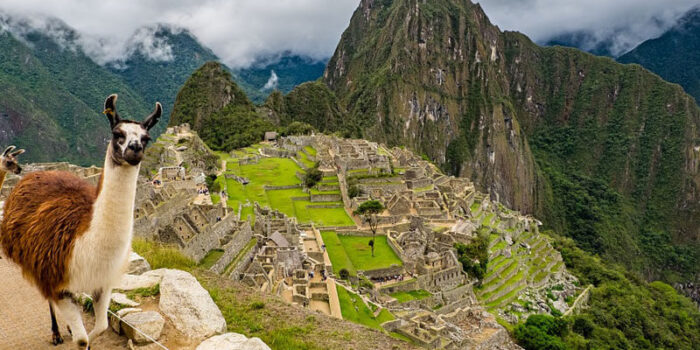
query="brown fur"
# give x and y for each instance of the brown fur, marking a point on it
(44, 215)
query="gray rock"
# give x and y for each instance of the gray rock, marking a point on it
(122, 299)
(116, 323)
(146, 280)
(509, 240)
(137, 264)
(148, 322)
(189, 306)
(232, 341)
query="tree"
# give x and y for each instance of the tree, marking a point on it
(369, 210)
(312, 177)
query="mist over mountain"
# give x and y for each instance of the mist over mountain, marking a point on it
(54, 89)
(675, 55)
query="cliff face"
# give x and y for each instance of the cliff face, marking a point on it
(604, 152)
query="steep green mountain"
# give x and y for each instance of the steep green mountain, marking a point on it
(282, 72)
(312, 103)
(606, 153)
(159, 80)
(53, 95)
(675, 55)
(215, 107)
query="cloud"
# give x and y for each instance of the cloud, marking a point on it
(272, 82)
(626, 23)
(238, 31)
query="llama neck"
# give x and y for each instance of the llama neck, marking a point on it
(113, 211)
(2, 178)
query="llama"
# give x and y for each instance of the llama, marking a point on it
(70, 237)
(8, 163)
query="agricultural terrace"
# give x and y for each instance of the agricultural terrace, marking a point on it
(274, 172)
(354, 309)
(354, 253)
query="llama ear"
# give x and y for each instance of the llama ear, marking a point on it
(18, 152)
(111, 110)
(8, 150)
(152, 119)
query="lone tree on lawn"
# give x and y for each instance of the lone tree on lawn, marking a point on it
(369, 210)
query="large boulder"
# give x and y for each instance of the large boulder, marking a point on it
(137, 264)
(232, 341)
(189, 306)
(147, 280)
(149, 322)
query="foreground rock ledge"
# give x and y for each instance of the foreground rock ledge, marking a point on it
(189, 306)
(232, 341)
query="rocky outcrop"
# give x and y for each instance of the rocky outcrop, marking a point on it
(189, 306)
(149, 324)
(232, 341)
(137, 264)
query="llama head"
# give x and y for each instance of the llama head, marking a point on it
(8, 160)
(129, 138)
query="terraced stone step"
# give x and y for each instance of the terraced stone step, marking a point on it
(514, 282)
(505, 299)
(506, 275)
(498, 270)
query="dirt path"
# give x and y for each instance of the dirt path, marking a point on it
(24, 317)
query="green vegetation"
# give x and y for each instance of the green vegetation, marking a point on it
(475, 255)
(211, 258)
(624, 312)
(541, 332)
(360, 255)
(336, 252)
(403, 297)
(162, 255)
(354, 309)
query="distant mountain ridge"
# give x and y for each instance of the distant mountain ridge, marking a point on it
(53, 91)
(675, 55)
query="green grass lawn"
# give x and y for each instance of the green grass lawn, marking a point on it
(277, 172)
(403, 297)
(304, 159)
(336, 252)
(353, 252)
(353, 309)
(322, 216)
(360, 253)
(310, 150)
(211, 258)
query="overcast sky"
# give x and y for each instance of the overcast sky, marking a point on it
(238, 31)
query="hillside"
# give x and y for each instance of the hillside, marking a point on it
(675, 55)
(53, 95)
(603, 152)
(210, 99)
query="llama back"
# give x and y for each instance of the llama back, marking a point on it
(44, 215)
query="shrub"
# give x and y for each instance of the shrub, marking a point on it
(343, 274)
(312, 177)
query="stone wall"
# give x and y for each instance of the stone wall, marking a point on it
(243, 263)
(233, 247)
(326, 197)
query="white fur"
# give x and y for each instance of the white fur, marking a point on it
(101, 252)
(132, 133)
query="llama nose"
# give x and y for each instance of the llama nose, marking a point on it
(135, 146)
